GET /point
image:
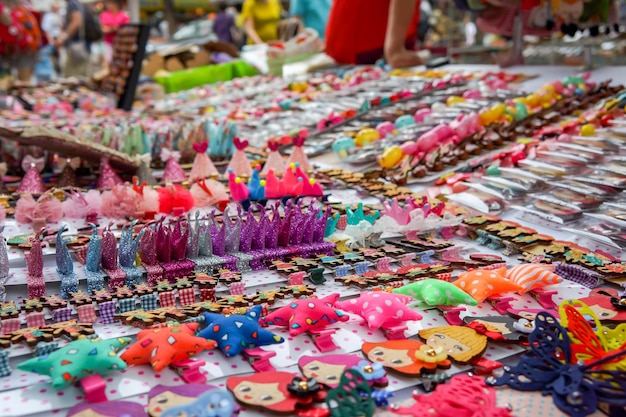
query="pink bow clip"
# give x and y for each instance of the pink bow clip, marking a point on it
(167, 153)
(30, 161)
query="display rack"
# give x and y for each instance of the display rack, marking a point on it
(128, 52)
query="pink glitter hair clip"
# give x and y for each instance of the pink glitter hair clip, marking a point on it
(34, 267)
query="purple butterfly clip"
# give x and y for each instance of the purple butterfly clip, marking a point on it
(576, 388)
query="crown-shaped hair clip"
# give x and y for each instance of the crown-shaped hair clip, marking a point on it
(4, 266)
(65, 265)
(34, 267)
(93, 272)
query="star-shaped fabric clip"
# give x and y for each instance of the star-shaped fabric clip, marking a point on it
(78, 360)
(164, 345)
(381, 308)
(435, 292)
(307, 315)
(235, 332)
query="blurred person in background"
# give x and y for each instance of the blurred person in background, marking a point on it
(51, 24)
(20, 44)
(260, 20)
(72, 38)
(363, 31)
(313, 14)
(225, 27)
(111, 19)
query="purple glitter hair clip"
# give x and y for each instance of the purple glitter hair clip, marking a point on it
(271, 232)
(109, 250)
(179, 238)
(248, 229)
(260, 229)
(65, 265)
(163, 245)
(217, 236)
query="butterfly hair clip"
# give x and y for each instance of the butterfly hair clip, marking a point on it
(576, 388)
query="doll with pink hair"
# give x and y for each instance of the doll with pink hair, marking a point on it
(107, 409)
(327, 369)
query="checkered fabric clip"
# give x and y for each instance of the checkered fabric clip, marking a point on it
(10, 325)
(342, 271)
(43, 348)
(5, 369)
(167, 299)
(297, 278)
(186, 296)
(127, 304)
(237, 288)
(407, 259)
(87, 313)
(383, 264)
(62, 314)
(107, 311)
(148, 302)
(35, 319)
(362, 267)
(207, 294)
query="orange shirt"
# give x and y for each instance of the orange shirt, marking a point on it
(356, 30)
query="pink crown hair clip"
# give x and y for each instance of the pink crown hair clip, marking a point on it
(274, 160)
(202, 167)
(239, 163)
(34, 267)
(31, 182)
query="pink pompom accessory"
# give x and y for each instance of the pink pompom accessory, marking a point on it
(208, 193)
(47, 208)
(120, 201)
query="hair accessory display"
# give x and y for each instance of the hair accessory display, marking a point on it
(65, 265)
(233, 333)
(78, 360)
(381, 309)
(163, 346)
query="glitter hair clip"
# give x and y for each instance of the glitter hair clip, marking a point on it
(34, 266)
(4, 266)
(117, 277)
(93, 272)
(463, 395)
(65, 265)
(128, 254)
(550, 366)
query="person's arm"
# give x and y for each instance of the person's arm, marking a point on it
(248, 22)
(73, 26)
(400, 17)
